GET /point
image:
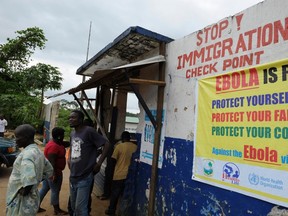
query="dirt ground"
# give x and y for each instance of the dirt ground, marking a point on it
(98, 206)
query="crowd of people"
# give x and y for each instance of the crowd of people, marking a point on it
(87, 151)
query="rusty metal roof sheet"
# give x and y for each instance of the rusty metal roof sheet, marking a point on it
(125, 49)
(109, 77)
(105, 67)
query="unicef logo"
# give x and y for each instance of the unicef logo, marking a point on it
(231, 173)
(253, 179)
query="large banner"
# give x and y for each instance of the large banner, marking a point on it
(241, 137)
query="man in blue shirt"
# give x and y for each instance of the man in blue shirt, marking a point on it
(85, 142)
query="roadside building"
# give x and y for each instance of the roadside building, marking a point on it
(211, 134)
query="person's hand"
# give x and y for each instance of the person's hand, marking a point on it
(96, 168)
(25, 191)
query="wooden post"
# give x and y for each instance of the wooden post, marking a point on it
(157, 138)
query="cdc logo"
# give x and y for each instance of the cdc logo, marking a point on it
(231, 173)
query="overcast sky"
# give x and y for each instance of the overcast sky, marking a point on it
(66, 25)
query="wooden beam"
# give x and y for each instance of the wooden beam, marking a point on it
(142, 102)
(97, 120)
(97, 102)
(81, 105)
(147, 82)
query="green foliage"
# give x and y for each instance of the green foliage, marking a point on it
(41, 77)
(15, 56)
(62, 121)
(20, 109)
(132, 114)
(16, 53)
(69, 105)
(21, 87)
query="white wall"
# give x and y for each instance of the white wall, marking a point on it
(255, 35)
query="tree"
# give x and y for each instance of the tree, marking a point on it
(69, 105)
(41, 77)
(15, 56)
(22, 87)
(19, 109)
(16, 53)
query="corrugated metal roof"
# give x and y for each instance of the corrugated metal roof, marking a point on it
(124, 52)
(108, 78)
(125, 49)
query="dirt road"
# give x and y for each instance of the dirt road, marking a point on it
(98, 206)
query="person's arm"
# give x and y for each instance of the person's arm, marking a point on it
(48, 169)
(113, 164)
(105, 150)
(68, 153)
(68, 156)
(52, 159)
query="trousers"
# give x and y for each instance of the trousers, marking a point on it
(55, 187)
(79, 195)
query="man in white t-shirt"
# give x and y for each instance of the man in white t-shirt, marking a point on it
(3, 124)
